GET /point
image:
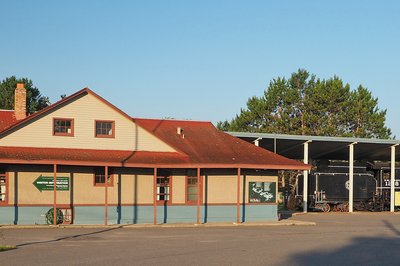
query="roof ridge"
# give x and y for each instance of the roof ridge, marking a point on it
(172, 120)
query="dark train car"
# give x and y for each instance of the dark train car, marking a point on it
(332, 191)
(336, 186)
(328, 188)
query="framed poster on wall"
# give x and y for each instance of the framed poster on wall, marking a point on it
(262, 192)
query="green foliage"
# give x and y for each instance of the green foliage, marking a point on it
(7, 247)
(306, 105)
(34, 100)
(367, 119)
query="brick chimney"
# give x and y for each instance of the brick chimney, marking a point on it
(20, 102)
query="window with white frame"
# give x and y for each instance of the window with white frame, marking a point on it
(163, 188)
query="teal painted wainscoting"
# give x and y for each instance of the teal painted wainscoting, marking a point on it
(7, 215)
(23, 215)
(144, 214)
(257, 213)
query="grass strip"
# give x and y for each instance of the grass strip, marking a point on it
(4, 248)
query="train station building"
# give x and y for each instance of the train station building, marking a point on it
(110, 168)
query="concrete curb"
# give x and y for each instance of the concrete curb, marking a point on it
(179, 225)
(346, 213)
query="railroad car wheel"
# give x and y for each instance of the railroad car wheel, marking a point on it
(363, 206)
(326, 207)
(345, 207)
(319, 206)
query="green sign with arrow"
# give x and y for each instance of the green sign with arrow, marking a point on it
(47, 183)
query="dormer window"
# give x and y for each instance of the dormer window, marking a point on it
(104, 129)
(63, 127)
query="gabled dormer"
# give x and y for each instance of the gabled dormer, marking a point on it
(83, 120)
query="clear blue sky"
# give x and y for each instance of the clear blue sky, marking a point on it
(199, 60)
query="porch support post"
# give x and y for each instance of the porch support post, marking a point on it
(238, 197)
(55, 194)
(257, 142)
(351, 175)
(305, 178)
(106, 195)
(392, 175)
(199, 193)
(155, 195)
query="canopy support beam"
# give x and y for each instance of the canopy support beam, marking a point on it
(55, 194)
(392, 175)
(351, 175)
(305, 178)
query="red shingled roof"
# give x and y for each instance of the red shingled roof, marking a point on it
(7, 119)
(90, 157)
(199, 145)
(204, 144)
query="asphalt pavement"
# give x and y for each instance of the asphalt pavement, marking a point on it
(335, 239)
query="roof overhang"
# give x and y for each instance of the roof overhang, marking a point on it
(334, 148)
(114, 158)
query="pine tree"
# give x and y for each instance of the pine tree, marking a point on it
(365, 120)
(306, 105)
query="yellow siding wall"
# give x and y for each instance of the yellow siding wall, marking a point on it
(178, 189)
(84, 191)
(84, 111)
(10, 188)
(222, 189)
(135, 189)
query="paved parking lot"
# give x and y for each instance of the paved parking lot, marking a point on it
(337, 239)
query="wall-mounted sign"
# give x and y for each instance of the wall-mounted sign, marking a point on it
(260, 192)
(47, 183)
(397, 198)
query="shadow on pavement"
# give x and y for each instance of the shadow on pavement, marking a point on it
(362, 251)
(69, 237)
(285, 214)
(391, 227)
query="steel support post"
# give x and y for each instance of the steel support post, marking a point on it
(55, 194)
(305, 178)
(155, 195)
(238, 197)
(199, 193)
(351, 175)
(105, 195)
(392, 175)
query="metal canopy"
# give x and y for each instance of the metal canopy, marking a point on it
(335, 148)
